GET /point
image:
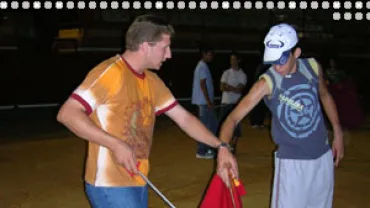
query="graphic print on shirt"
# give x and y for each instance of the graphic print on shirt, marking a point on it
(139, 117)
(298, 110)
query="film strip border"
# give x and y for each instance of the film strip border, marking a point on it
(358, 10)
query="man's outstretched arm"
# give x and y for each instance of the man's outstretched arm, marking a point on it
(195, 129)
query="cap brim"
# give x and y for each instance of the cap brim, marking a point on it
(273, 56)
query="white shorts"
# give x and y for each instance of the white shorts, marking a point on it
(303, 183)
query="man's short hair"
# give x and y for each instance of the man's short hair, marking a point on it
(147, 28)
(236, 54)
(205, 49)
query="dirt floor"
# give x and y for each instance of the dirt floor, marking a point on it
(44, 169)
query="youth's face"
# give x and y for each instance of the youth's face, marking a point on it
(290, 65)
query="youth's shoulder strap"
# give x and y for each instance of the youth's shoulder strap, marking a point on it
(305, 68)
(314, 65)
(276, 76)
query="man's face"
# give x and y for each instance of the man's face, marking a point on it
(290, 65)
(234, 62)
(208, 56)
(158, 52)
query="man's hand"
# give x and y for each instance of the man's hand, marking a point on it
(226, 162)
(338, 146)
(125, 156)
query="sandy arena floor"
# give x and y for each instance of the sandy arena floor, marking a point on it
(45, 170)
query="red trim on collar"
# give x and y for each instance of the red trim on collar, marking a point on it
(141, 76)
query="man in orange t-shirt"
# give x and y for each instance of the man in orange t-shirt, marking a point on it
(114, 109)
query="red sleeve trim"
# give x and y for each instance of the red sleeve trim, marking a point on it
(86, 105)
(166, 108)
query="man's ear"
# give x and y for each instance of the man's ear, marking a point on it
(143, 47)
(297, 52)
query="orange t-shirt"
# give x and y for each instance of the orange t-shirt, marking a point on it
(124, 104)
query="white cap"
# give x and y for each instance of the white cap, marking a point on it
(278, 42)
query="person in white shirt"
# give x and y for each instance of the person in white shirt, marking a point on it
(233, 82)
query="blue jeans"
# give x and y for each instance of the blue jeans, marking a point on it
(117, 197)
(209, 118)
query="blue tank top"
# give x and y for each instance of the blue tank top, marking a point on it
(298, 126)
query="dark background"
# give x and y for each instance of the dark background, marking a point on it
(34, 69)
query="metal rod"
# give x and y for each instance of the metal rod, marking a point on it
(156, 190)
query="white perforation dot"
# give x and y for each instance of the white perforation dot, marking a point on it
(303, 5)
(281, 5)
(137, 5)
(368, 5)
(214, 4)
(114, 5)
(181, 5)
(347, 15)
(368, 16)
(347, 5)
(192, 5)
(270, 5)
(170, 5)
(236, 5)
(314, 5)
(359, 16)
(336, 16)
(159, 5)
(25, 5)
(48, 5)
(59, 5)
(358, 5)
(336, 4)
(125, 5)
(225, 5)
(92, 4)
(325, 5)
(103, 5)
(14, 5)
(292, 5)
(259, 5)
(36, 5)
(247, 5)
(147, 5)
(203, 5)
(4, 5)
(70, 5)
(81, 5)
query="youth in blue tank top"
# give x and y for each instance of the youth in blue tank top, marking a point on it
(298, 126)
(292, 89)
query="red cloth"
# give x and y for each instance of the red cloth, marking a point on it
(219, 196)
